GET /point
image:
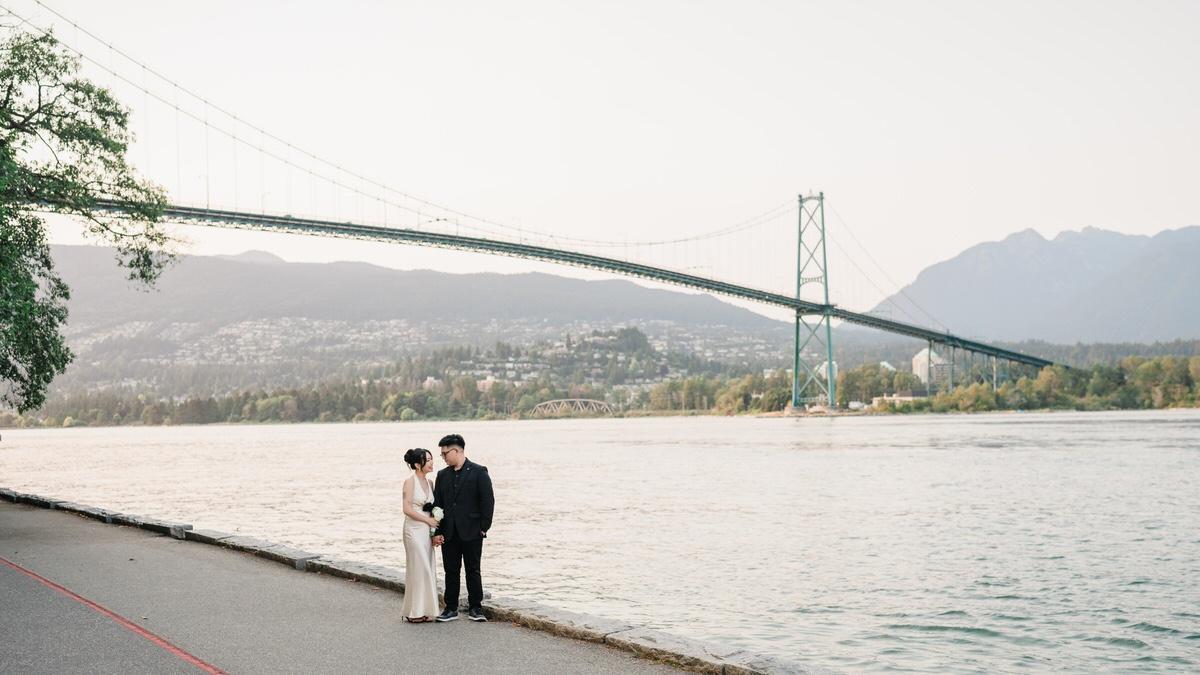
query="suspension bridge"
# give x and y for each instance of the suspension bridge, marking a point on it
(805, 375)
(348, 205)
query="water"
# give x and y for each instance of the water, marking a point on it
(986, 543)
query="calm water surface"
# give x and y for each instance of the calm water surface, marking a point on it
(986, 543)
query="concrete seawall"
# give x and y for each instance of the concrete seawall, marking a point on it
(650, 644)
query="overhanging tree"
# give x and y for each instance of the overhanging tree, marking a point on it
(63, 142)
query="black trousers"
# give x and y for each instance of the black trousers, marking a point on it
(457, 554)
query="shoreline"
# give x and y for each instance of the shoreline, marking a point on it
(656, 415)
(694, 655)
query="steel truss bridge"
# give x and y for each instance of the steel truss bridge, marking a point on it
(572, 406)
(396, 235)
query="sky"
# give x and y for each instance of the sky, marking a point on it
(929, 126)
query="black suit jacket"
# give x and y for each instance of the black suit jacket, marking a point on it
(467, 512)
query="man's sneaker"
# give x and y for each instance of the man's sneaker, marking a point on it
(476, 614)
(448, 615)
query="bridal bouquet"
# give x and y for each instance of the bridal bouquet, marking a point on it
(435, 511)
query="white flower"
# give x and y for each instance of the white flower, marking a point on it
(438, 513)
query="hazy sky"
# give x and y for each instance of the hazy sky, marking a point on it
(930, 126)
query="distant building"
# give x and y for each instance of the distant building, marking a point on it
(823, 371)
(887, 366)
(878, 401)
(921, 365)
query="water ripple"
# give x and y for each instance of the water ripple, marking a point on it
(993, 543)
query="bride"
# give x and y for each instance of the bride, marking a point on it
(420, 585)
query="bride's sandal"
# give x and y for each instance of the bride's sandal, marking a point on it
(422, 619)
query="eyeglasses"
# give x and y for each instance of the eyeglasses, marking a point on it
(447, 451)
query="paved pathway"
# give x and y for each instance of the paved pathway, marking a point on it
(78, 596)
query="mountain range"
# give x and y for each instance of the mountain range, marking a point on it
(259, 285)
(1088, 286)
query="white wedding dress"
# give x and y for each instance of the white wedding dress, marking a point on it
(420, 584)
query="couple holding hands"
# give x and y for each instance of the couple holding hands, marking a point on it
(454, 513)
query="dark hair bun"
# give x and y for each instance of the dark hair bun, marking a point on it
(416, 457)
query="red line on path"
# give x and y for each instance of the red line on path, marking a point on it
(131, 626)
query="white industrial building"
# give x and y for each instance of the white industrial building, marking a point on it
(823, 370)
(921, 366)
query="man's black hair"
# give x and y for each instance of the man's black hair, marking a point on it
(452, 439)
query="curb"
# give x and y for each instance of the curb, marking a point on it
(646, 643)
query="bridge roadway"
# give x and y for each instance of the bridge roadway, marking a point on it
(274, 223)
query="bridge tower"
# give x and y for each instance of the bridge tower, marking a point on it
(809, 384)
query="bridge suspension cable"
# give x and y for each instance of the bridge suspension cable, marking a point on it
(216, 123)
(202, 118)
(898, 287)
(762, 218)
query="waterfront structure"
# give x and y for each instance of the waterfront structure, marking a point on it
(571, 407)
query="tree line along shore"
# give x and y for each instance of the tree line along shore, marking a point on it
(1133, 383)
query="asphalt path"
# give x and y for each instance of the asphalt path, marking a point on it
(79, 596)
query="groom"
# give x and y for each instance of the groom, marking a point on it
(464, 492)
